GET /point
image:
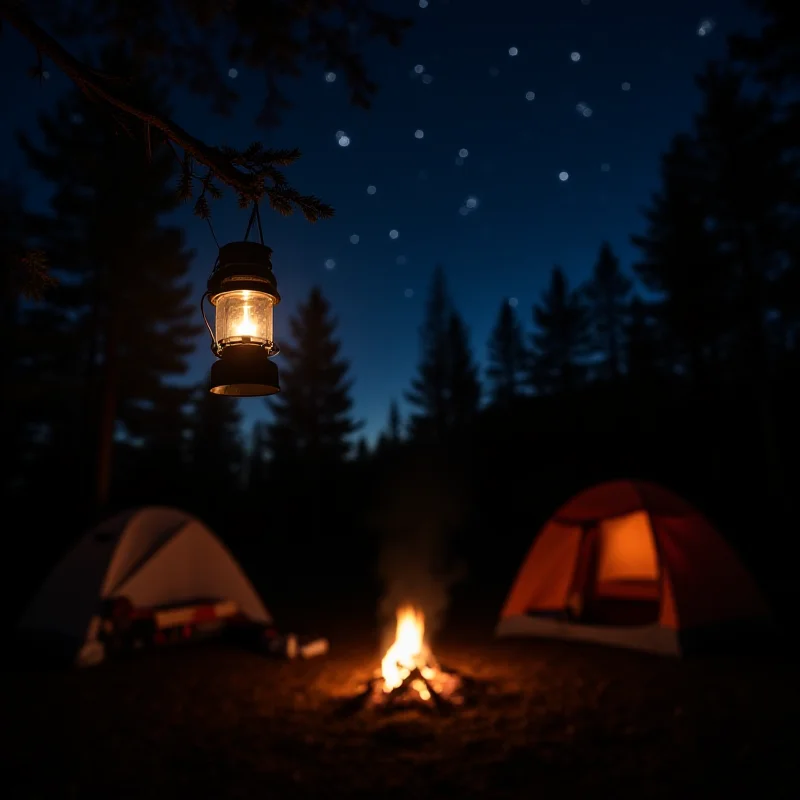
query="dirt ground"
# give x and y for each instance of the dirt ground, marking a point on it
(554, 720)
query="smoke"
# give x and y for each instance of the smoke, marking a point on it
(420, 509)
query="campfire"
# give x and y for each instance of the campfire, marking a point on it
(409, 675)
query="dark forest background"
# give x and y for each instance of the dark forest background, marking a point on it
(680, 368)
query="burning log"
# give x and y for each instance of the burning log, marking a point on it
(411, 682)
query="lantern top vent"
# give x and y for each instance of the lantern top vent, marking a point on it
(243, 265)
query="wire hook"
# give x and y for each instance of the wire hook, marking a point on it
(255, 216)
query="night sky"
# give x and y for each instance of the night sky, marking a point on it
(477, 120)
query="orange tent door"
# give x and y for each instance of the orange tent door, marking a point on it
(627, 589)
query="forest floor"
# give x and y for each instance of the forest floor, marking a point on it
(552, 720)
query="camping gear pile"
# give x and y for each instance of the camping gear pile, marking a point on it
(147, 578)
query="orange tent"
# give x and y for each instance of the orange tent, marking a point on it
(630, 564)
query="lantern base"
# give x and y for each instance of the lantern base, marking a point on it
(244, 370)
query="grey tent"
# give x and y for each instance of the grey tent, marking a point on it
(152, 556)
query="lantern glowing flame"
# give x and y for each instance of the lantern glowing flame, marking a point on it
(408, 652)
(246, 327)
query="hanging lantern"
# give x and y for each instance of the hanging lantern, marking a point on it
(244, 292)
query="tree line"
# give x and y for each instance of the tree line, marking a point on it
(708, 317)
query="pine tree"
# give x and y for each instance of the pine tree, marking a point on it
(124, 273)
(51, 407)
(607, 294)
(463, 384)
(643, 342)
(257, 467)
(20, 386)
(508, 358)
(682, 264)
(429, 390)
(560, 338)
(215, 451)
(773, 51)
(752, 189)
(394, 426)
(13, 245)
(155, 467)
(752, 193)
(24, 270)
(392, 435)
(312, 414)
(446, 391)
(362, 453)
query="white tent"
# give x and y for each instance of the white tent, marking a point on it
(152, 556)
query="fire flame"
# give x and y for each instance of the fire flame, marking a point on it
(408, 652)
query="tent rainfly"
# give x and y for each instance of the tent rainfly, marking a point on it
(154, 557)
(630, 564)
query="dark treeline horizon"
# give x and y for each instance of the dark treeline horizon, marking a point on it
(682, 367)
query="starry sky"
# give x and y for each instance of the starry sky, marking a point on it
(506, 137)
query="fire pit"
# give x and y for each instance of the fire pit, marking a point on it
(409, 675)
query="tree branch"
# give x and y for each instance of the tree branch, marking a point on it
(92, 83)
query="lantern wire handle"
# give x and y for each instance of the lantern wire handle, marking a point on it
(255, 217)
(214, 345)
(213, 235)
